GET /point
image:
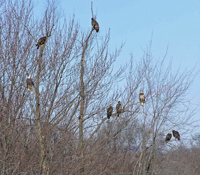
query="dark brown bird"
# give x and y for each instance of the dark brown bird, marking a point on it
(95, 25)
(29, 83)
(176, 134)
(41, 41)
(168, 137)
(119, 108)
(142, 98)
(109, 111)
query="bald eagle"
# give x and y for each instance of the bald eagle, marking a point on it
(168, 137)
(95, 25)
(29, 83)
(176, 134)
(41, 41)
(109, 111)
(142, 98)
(119, 108)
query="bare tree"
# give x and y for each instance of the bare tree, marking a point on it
(96, 82)
(13, 94)
(167, 106)
(52, 98)
(61, 125)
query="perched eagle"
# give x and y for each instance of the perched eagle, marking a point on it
(142, 98)
(119, 108)
(176, 134)
(168, 137)
(109, 111)
(95, 25)
(29, 83)
(41, 41)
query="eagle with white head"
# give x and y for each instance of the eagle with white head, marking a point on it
(168, 137)
(142, 98)
(29, 83)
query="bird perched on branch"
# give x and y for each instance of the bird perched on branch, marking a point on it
(168, 137)
(176, 134)
(41, 41)
(29, 83)
(119, 108)
(109, 111)
(95, 25)
(142, 98)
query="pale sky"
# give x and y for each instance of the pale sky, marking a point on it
(175, 24)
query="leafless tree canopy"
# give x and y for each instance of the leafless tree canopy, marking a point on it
(60, 125)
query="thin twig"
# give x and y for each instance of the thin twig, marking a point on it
(25, 69)
(92, 8)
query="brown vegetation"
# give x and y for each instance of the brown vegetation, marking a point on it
(61, 126)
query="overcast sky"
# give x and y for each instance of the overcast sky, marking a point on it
(174, 24)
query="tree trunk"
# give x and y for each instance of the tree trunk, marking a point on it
(81, 147)
(82, 94)
(42, 140)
